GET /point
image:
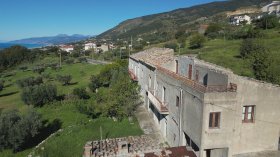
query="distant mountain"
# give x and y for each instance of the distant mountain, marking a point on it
(59, 39)
(170, 22)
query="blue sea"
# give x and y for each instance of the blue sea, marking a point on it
(30, 46)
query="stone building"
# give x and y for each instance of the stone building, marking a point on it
(206, 107)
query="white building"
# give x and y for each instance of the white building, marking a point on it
(67, 48)
(103, 48)
(271, 8)
(90, 46)
(239, 19)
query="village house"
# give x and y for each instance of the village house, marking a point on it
(67, 48)
(89, 46)
(240, 19)
(206, 107)
(272, 8)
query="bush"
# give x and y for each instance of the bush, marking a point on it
(171, 45)
(1, 85)
(64, 79)
(69, 61)
(30, 81)
(81, 93)
(17, 130)
(213, 30)
(39, 69)
(197, 41)
(267, 22)
(39, 95)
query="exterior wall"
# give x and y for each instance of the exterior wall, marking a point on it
(191, 117)
(263, 134)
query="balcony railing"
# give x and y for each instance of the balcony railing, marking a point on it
(162, 107)
(132, 75)
(198, 86)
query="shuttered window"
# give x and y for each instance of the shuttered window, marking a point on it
(214, 120)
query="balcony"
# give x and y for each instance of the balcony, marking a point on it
(160, 106)
(132, 75)
(198, 86)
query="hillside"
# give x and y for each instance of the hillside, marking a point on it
(59, 39)
(168, 22)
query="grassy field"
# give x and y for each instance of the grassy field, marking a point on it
(77, 128)
(226, 52)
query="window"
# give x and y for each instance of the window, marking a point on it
(163, 94)
(150, 81)
(248, 114)
(177, 101)
(214, 120)
(190, 71)
(176, 67)
(197, 76)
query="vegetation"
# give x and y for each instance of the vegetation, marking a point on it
(14, 56)
(115, 91)
(39, 95)
(73, 112)
(1, 85)
(30, 81)
(267, 22)
(81, 93)
(17, 130)
(64, 79)
(197, 41)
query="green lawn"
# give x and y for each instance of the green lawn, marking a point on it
(80, 72)
(226, 52)
(77, 128)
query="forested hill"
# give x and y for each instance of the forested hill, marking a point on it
(169, 21)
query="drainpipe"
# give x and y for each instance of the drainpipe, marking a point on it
(180, 116)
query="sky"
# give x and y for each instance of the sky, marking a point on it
(36, 18)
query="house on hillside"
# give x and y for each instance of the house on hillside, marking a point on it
(240, 19)
(67, 48)
(89, 46)
(204, 107)
(272, 8)
(102, 48)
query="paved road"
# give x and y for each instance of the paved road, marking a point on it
(147, 125)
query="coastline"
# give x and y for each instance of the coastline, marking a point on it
(29, 46)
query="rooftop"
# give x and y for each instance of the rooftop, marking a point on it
(155, 56)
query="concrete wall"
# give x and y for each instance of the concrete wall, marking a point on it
(191, 117)
(263, 134)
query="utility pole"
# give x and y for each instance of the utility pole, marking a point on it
(100, 132)
(60, 59)
(120, 53)
(179, 48)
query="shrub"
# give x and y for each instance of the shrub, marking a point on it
(171, 45)
(39, 95)
(69, 61)
(64, 79)
(197, 41)
(81, 93)
(39, 69)
(213, 30)
(16, 129)
(30, 81)
(1, 85)
(267, 22)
